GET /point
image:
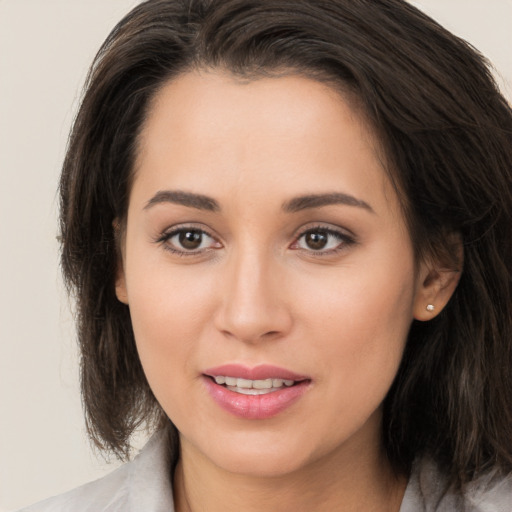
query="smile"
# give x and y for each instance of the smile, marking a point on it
(254, 393)
(252, 387)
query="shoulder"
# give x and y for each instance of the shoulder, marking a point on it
(142, 484)
(428, 491)
(491, 493)
(106, 494)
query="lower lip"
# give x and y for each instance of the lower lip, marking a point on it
(255, 407)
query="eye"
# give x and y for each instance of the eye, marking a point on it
(188, 241)
(322, 240)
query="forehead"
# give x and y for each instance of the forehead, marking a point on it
(211, 131)
(202, 98)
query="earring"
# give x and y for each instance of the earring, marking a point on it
(430, 307)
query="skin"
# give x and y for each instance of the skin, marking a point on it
(256, 291)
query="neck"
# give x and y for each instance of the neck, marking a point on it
(341, 481)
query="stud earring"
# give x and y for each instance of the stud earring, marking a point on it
(430, 307)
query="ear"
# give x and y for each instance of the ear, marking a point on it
(436, 284)
(121, 291)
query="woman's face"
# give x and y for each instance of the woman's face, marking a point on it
(265, 244)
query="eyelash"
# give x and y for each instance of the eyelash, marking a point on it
(344, 239)
(167, 236)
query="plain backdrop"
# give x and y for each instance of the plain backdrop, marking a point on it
(46, 47)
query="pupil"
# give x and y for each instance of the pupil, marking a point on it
(316, 240)
(190, 239)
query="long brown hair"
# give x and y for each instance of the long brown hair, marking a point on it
(447, 136)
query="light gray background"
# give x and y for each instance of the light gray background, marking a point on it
(45, 49)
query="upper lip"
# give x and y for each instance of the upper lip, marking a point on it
(260, 372)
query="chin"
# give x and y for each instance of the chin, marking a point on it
(260, 455)
(261, 465)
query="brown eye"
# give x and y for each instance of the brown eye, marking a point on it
(323, 241)
(316, 240)
(190, 239)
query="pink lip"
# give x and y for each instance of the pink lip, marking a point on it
(261, 372)
(255, 407)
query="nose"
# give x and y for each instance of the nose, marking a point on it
(253, 306)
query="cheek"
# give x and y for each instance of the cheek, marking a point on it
(361, 321)
(168, 316)
(367, 302)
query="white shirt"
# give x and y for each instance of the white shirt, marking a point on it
(144, 485)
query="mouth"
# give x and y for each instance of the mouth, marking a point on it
(254, 393)
(253, 387)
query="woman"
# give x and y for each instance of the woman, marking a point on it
(287, 228)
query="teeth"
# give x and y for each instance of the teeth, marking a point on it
(264, 384)
(243, 383)
(255, 385)
(230, 381)
(251, 391)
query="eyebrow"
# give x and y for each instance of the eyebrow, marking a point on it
(318, 200)
(189, 199)
(202, 202)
